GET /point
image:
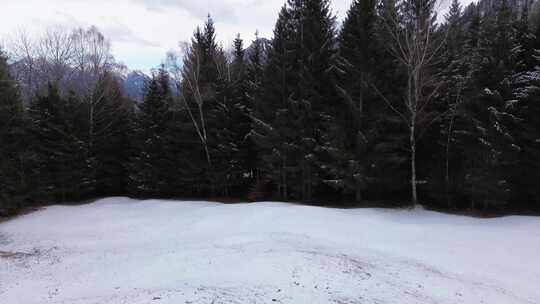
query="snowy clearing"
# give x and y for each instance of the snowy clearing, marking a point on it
(120, 250)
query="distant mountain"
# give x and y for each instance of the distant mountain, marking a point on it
(135, 84)
(265, 44)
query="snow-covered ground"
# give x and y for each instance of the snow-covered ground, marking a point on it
(119, 250)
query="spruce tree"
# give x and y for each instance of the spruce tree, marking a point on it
(485, 123)
(453, 70)
(313, 101)
(454, 26)
(504, 41)
(493, 57)
(63, 166)
(354, 129)
(196, 92)
(491, 150)
(223, 123)
(525, 103)
(526, 42)
(272, 120)
(254, 77)
(242, 110)
(207, 96)
(111, 148)
(255, 73)
(151, 125)
(13, 175)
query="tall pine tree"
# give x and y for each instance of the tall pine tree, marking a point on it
(13, 177)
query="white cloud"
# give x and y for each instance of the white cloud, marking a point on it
(142, 31)
(199, 9)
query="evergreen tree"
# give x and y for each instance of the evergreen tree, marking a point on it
(242, 111)
(207, 99)
(111, 149)
(526, 42)
(454, 24)
(485, 123)
(255, 66)
(504, 42)
(176, 160)
(63, 166)
(491, 150)
(254, 77)
(272, 121)
(453, 70)
(13, 179)
(152, 123)
(225, 122)
(313, 97)
(302, 53)
(314, 116)
(359, 48)
(389, 165)
(493, 57)
(239, 58)
(526, 105)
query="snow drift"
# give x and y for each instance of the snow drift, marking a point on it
(119, 250)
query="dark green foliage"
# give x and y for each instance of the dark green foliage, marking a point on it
(254, 80)
(359, 151)
(302, 53)
(111, 146)
(316, 116)
(64, 166)
(13, 179)
(207, 94)
(525, 176)
(149, 165)
(526, 41)
(479, 132)
(242, 162)
(229, 124)
(272, 112)
(490, 149)
(66, 147)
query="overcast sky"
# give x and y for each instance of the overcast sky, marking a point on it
(142, 31)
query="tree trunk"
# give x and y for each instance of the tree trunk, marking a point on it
(91, 126)
(306, 181)
(284, 179)
(447, 173)
(412, 100)
(358, 194)
(361, 100)
(413, 166)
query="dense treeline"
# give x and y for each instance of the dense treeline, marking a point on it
(391, 106)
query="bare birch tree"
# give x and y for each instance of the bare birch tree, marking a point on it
(55, 52)
(413, 43)
(191, 76)
(44, 59)
(22, 49)
(92, 62)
